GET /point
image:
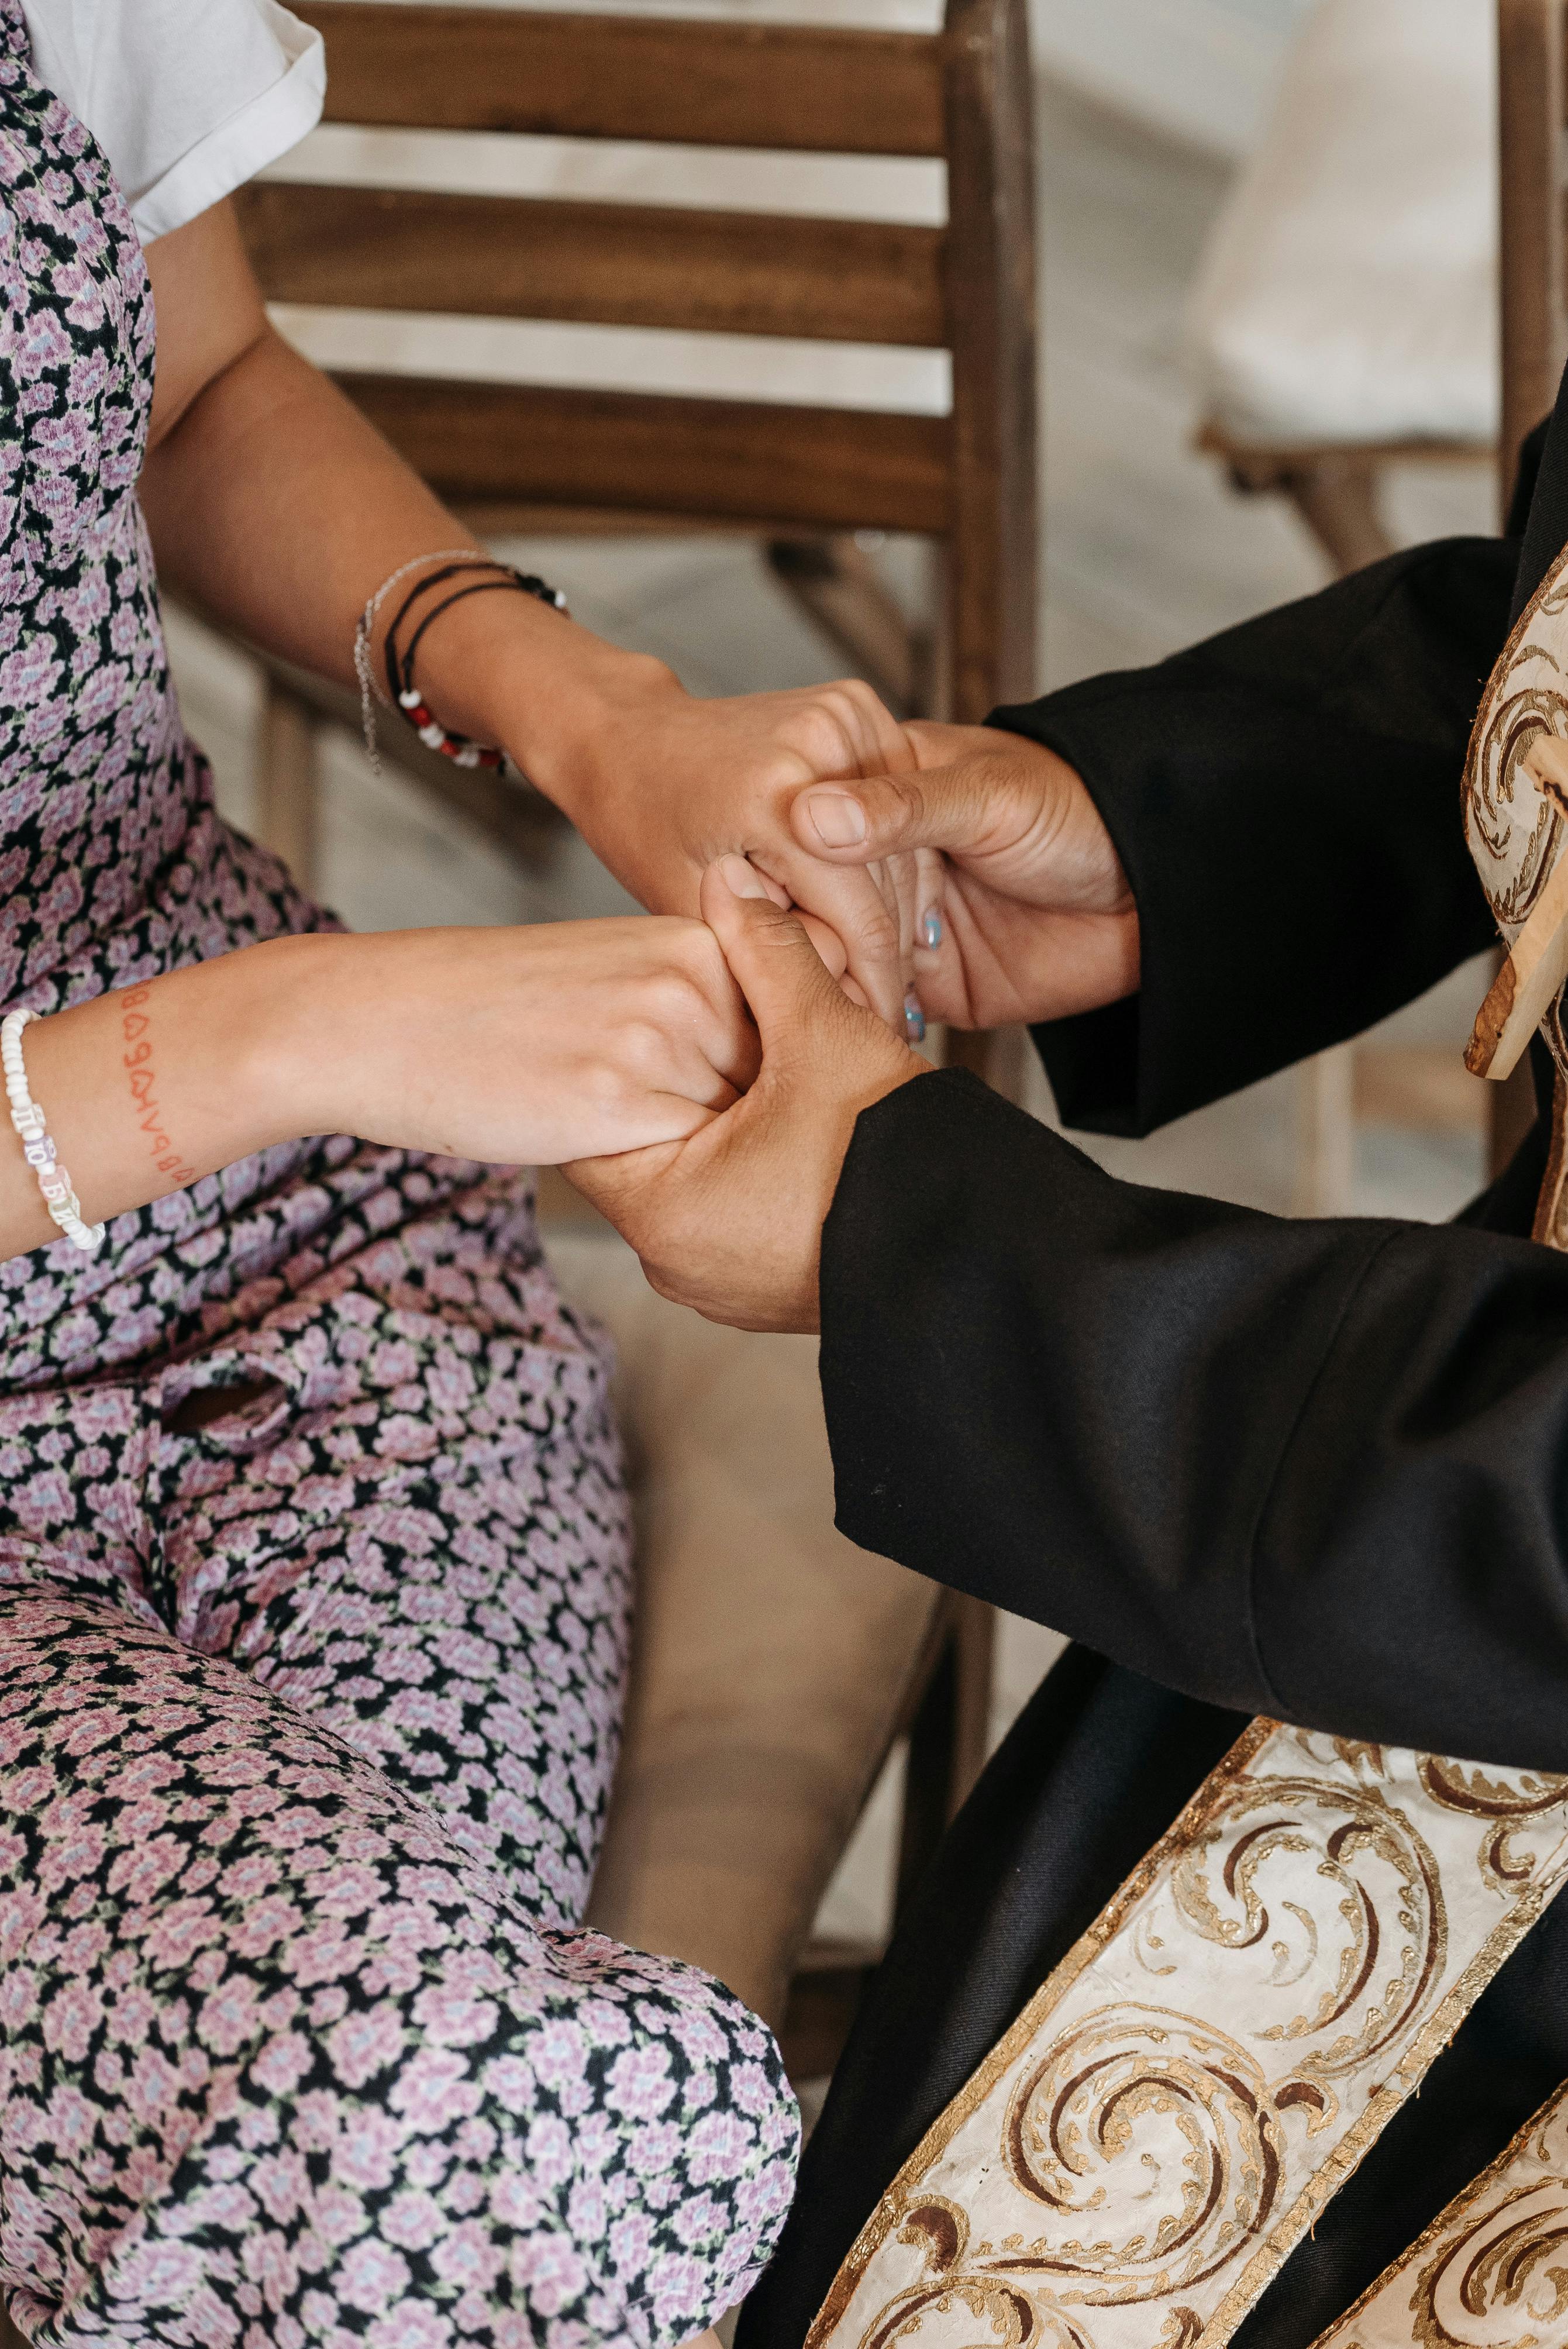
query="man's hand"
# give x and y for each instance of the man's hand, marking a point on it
(730, 1220)
(1032, 916)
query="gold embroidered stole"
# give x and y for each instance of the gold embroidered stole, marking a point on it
(1492, 2271)
(1135, 2160)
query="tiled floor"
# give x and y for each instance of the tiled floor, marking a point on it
(1146, 550)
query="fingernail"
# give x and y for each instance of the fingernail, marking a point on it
(741, 879)
(913, 1018)
(931, 928)
(838, 820)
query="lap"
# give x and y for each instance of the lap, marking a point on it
(468, 1633)
(283, 2053)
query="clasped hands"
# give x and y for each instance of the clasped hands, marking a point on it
(992, 833)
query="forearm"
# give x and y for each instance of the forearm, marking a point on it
(1307, 1468)
(280, 510)
(147, 1089)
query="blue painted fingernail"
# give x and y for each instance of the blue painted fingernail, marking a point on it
(931, 928)
(913, 1018)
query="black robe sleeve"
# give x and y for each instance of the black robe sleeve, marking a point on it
(1313, 1469)
(1285, 798)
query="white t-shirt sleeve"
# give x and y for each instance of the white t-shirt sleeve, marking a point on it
(188, 98)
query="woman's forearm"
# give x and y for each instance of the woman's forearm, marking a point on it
(145, 1089)
(278, 507)
(517, 1047)
(273, 501)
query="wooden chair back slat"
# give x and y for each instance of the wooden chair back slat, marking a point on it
(615, 264)
(1533, 102)
(712, 85)
(825, 468)
(990, 266)
(964, 94)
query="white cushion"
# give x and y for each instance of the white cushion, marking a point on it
(1349, 292)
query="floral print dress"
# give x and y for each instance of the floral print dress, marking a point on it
(308, 1713)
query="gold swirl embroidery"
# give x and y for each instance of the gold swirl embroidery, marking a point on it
(989, 2294)
(1507, 1801)
(1491, 2270)
(1140, 2107)
(1120, 2174)
(1510, 2269)
(1388, 1916)
(1523, 747)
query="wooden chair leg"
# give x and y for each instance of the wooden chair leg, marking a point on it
(949, 1736)
(1337, 497)
(1325, 1133)
(288, 782)
(835, 581)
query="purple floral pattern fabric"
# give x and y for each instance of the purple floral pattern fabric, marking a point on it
(307, 1713)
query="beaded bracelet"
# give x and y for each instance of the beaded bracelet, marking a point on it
(403, 694)
(37, 1147)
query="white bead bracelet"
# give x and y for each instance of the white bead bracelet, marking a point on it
(60, 1199)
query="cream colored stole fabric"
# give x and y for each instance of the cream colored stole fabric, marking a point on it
(1492, 2272)
(1134, 2161)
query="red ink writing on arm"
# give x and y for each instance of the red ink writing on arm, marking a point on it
(136, 1028)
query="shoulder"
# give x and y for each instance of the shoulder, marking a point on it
(188, 98)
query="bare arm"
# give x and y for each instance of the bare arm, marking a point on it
(273, 500)
(269, 496)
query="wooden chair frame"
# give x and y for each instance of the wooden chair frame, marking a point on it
(1335, 491)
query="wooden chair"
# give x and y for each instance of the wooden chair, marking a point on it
(517, 459)
(1324, 352)
(1334, 488)
(774, 1665)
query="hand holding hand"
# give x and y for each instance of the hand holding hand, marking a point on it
(729, 1220)
(662, 783)
(531, 1046)
(1034, 919)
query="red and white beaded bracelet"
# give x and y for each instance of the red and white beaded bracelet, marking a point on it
(404, 694)
(38, 1145)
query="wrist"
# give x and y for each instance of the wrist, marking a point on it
(149, 1088)
(504, 668)
(294, 1021)
(570, 731)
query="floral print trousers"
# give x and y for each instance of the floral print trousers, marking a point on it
(297, 2042)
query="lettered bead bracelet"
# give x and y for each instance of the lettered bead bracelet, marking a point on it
(38, 1148)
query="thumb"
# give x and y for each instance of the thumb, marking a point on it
(954, 808)
(777, 969)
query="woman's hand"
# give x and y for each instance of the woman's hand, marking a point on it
(662, 784)
(1035, 918)
(516, 1046)
(512, 1045)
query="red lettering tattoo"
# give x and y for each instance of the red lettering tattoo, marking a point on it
(136, 1028)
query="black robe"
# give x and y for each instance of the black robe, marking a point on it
(1313, 1469)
